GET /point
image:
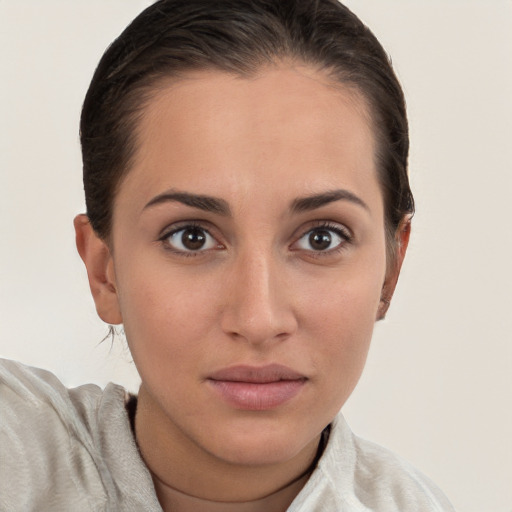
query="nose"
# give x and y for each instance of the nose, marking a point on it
(258, 308)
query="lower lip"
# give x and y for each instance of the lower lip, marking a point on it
(258, 396)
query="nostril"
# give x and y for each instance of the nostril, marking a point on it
(258, 308)
(270, 330)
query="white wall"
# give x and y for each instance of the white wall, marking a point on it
(438, 385)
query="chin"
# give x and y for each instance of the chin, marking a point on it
(264, 444)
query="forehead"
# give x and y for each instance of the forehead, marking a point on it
(213, 129)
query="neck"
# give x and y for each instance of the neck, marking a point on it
(188, 478)
(278, 501)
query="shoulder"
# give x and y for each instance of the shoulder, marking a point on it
(48, 443)
(380, 474)
(362, 476)
(37, 396)
(67, 449)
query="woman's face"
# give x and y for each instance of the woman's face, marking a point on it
(249, 258)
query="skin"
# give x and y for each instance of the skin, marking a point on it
(258, 292)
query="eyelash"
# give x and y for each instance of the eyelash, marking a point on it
(164, 239)
(340, 231)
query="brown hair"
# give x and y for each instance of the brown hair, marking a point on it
(236, 36)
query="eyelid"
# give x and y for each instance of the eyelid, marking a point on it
(338, 228)
(171, 228)
(341, 230)
(176, 227)
(327, 225)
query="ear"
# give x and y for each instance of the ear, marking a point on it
(402, 241)
(97, 257)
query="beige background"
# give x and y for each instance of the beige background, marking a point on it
(438, 384)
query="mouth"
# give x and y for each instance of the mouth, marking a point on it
(257, 388)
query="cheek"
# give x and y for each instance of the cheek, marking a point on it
(165, 313)
(344, 327)
(340, 359)
(344, 301)
(340, 326)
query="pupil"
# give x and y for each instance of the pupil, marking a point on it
(193, 239)
(320, 240)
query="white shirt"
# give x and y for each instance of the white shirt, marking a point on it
(73, 450)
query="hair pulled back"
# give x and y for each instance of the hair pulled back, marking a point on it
(172, 37)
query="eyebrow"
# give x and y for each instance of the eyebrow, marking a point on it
(221, 207)
(201, 202)
(313, 202)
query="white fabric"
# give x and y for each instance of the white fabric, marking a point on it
(73, 450)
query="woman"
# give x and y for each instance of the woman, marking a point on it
(248, 212)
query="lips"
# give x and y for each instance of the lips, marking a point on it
(257, 388)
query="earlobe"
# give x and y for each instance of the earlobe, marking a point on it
(402, 241)
(98, 261)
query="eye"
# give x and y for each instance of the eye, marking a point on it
(322, 239)
(189, 239)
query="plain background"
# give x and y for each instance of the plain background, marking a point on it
(438, 384)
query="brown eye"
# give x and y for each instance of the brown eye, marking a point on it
(190, 239)
(320, 240)
(323, 239)
(193, 239)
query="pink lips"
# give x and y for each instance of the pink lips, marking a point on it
(257, 388)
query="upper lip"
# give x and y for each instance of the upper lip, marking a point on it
(256, 374)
